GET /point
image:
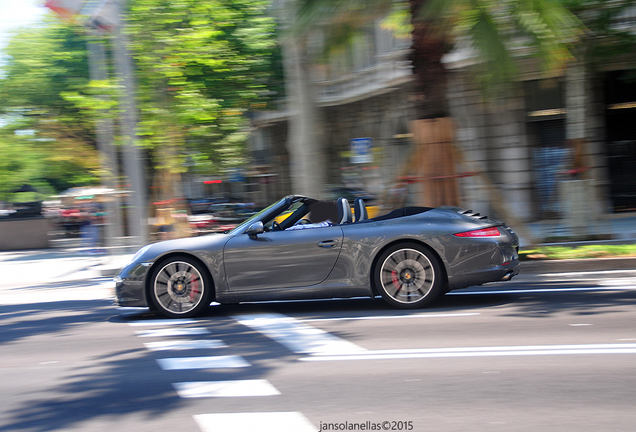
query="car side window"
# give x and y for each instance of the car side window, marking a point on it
(283, 215)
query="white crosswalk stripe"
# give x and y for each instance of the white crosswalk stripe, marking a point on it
(181, 345)
(255, 421)
(162, 322)
(238, 388)
(187, 331)
(212, 362)
(296, 336)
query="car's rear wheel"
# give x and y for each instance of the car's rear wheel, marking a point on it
(180, 287)
(408, 275)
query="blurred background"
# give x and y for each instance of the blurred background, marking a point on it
(126, 122)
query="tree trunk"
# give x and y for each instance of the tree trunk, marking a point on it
(431, 85)
(429, 48)
(104, 131)
(304, 142)
(133, 163)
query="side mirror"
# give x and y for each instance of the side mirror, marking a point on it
(255, 229)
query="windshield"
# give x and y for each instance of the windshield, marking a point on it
(249, 221)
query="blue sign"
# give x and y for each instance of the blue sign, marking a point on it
(236, 175)
(361, 150)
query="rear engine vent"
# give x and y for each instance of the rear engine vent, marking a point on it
(473, 215)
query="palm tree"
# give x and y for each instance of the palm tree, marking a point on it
(493, 31)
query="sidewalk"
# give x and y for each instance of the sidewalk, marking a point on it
(57, 275)
(577, 265)
(615, 228)
(53, 266)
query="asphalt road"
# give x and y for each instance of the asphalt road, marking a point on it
(550, 352)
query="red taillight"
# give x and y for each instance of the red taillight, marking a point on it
(485, 232)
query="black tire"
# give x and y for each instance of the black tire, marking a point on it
(180, 287)
(408, 276)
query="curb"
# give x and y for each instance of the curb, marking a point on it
(577, 265)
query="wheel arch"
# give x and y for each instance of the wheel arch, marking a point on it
(426, 246)
(166, 257)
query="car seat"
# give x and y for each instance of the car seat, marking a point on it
(344, 211)
(360, 210)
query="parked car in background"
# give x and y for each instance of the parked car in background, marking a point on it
(220, 217)
(351, 194)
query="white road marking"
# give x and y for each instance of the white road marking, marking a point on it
(213, 362)
(255, 421)
(240, 388)
(584, 273)
(180, 345)
(160, 322)
(381, 317)
(532, 350)
(543, 290)
(623, 283)
(296, 336)
(193, 331)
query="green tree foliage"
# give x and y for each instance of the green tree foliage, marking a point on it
(19, 165)
(200, 67)
(44, 62)
(46, 141)
(44, 165)
(609, 27)
(500, 30)
(495, 30)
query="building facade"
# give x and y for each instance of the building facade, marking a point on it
(559, 147)
(362, 95)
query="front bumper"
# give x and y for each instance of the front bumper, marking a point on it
(129, 285)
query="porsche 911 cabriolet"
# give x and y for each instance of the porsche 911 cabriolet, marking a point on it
(303, 248)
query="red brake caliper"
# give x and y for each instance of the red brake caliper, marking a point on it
(194, 283)
(396, 280)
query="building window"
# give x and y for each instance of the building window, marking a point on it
(620, 96)
(545, 116)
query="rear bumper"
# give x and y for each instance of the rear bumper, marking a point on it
(503, 272)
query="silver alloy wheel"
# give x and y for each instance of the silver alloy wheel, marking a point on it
(407, 276)
(178, 287)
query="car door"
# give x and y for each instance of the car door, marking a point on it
(279, 259)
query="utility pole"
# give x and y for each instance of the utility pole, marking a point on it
(97, 64)
(132, 161)
(110, 12)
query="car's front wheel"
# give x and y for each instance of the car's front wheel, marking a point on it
(180, 287)
(408, 276)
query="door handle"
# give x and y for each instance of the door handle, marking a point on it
(327, 243)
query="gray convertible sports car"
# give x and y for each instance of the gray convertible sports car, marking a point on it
(301, 248)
